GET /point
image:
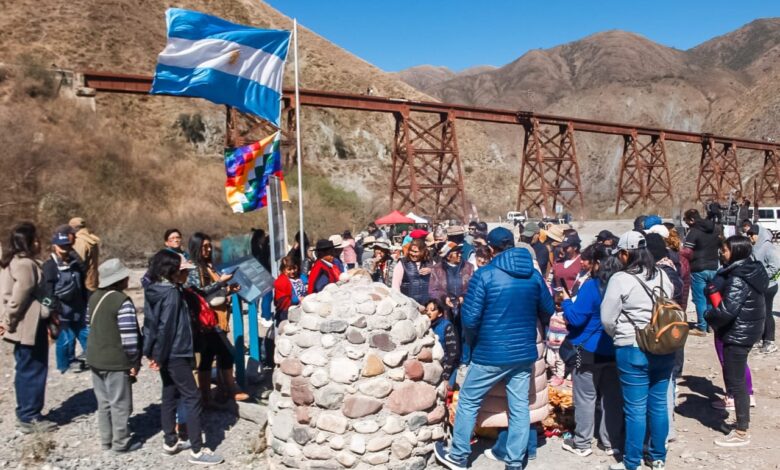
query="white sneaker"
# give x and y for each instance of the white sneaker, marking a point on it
(490, 455)
(611, 452)
(658, 465)
(752, 401)
(617, 466)
(733, 439)
(568, 445)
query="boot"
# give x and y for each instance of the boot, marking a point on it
(204, 385)
(231, 385)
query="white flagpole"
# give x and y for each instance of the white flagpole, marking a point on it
(298, 144)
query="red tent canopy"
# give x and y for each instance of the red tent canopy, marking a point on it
(393, 218)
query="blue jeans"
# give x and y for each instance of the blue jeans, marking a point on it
(32, 366)
(699, 281)
(645, 379)
(479, 380)
(70, 331)
(499, 448)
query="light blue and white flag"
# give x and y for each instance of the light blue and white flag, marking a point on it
(223, 62)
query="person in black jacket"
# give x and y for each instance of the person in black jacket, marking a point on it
(738, 320)
(168, 345)
(701, 249)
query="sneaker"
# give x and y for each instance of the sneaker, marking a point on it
(768, 347)
(176, 448)
(568, 445)
(490, 455)
(617, 466)
(733, 439)
(444, 458)
(611, 452)
(752, 401)
(724, 404)
(36, 425)
(759, 345)
(205, 457)
(131, 447)
(658, 465)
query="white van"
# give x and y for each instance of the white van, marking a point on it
(515, 216)
(769, 217)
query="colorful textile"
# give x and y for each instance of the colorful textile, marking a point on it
(223, 62)
(249, 169)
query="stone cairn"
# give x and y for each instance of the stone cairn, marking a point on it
(356, 382)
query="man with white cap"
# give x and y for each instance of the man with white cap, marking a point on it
(113, 355)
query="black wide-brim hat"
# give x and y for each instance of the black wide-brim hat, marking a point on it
(324, 245)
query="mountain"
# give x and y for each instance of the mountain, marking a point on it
(424, 76)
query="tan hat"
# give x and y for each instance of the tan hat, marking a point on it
(455, 230)
(338, 241)
(368, 240)
(429, 239)
(77, 223)
(555, 233)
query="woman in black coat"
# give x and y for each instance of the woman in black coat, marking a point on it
(738, 321)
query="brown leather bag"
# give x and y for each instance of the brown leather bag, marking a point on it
(668, 328)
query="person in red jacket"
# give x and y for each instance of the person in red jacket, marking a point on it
(323, 271)
(289, 289)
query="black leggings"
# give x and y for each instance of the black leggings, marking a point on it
(179, 385)
(734, 364)
(212, 345)
(769, 323)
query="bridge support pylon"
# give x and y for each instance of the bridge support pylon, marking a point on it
(718, 170)
(644, 173)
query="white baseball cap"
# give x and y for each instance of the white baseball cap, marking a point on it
(631, 240)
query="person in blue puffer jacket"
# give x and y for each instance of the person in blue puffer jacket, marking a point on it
(505, 299)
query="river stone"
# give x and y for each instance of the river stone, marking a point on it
(385, 307)
(366, 426)
(316, 452)
(315, 356)
(290, 329)
(421, 326)
(425, 355)
(301, 435)
(412, 396)
(377, 458)
(330, 396)
(403, 332)
(309, 303)
(377, 388)
(310, 322)
(379, 323)
(396, 374)
(366, 308)
(357, 444)
(373, 366)
(379, 443)
(333, 325)
(393, 425)
(425, 435)
(281, 382)
(417, 420)
(291, 367)
(359, 322)
(382, 342)
(354, 353)
(432, 373)
(294, 314)
(282, 426)
(437, 415)
(328, 341)
(332, 422)
(292, 450)
(306, 339)
(357, 406)
(321, 437)
(354, 336)
(300, 391)
(414, 348)
(336, 442)
(323, 309)
(308, 370)
(303, 414)
(438, 352)
(344, 370)
(284, 346)
(428, 340)
(319, 377)
(401, 448)
(414, 369)
(410, 436)
(394, 358)
(346, 459)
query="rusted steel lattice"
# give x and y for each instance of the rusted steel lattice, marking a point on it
(769, 185)
(427, 176)
(718, 172)
(644, 172)
(243, 129)
(549, 172)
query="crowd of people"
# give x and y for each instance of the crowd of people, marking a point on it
(522, 310)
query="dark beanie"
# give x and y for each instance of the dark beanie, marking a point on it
(656, 246)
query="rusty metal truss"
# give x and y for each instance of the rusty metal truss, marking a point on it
(427, 177)
(549, 172)
(242, 129)
(718, 171)
(644, 172)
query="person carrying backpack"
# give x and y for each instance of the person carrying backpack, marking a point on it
(626, 309)
(64, 280)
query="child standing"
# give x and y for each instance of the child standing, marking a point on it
(556, 333)
(289, 289)
(448, 339)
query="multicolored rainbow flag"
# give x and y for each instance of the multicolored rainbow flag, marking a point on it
(248, 171)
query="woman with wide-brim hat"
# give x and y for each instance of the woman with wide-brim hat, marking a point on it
(324, 271)
(381, 265)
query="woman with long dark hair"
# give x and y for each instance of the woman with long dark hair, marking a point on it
(737, 317)
(24, 323)
(211, 341)
(168, 345)
(595, 374)
(412, 273)
(644, 377)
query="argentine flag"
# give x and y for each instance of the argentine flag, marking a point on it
(223, 62)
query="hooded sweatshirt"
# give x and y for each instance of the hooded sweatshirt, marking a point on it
(704, 240)
(499, 314)
(626, 298)
(764, 251)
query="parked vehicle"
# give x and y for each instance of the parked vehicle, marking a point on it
(768, 217)
(516, 217)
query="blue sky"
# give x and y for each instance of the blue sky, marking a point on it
(397, 34)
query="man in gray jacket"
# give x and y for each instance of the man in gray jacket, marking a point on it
(765, 252)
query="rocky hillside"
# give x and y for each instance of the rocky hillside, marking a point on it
(726, 85)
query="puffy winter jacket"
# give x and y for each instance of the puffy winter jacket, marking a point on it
(704, 240)
(167, 323)
(739, 319)
(501, 308)
(765, 252)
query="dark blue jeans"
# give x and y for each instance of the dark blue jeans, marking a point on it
(32, 366)
(644, 379)
(70, 332)
(499, 448)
